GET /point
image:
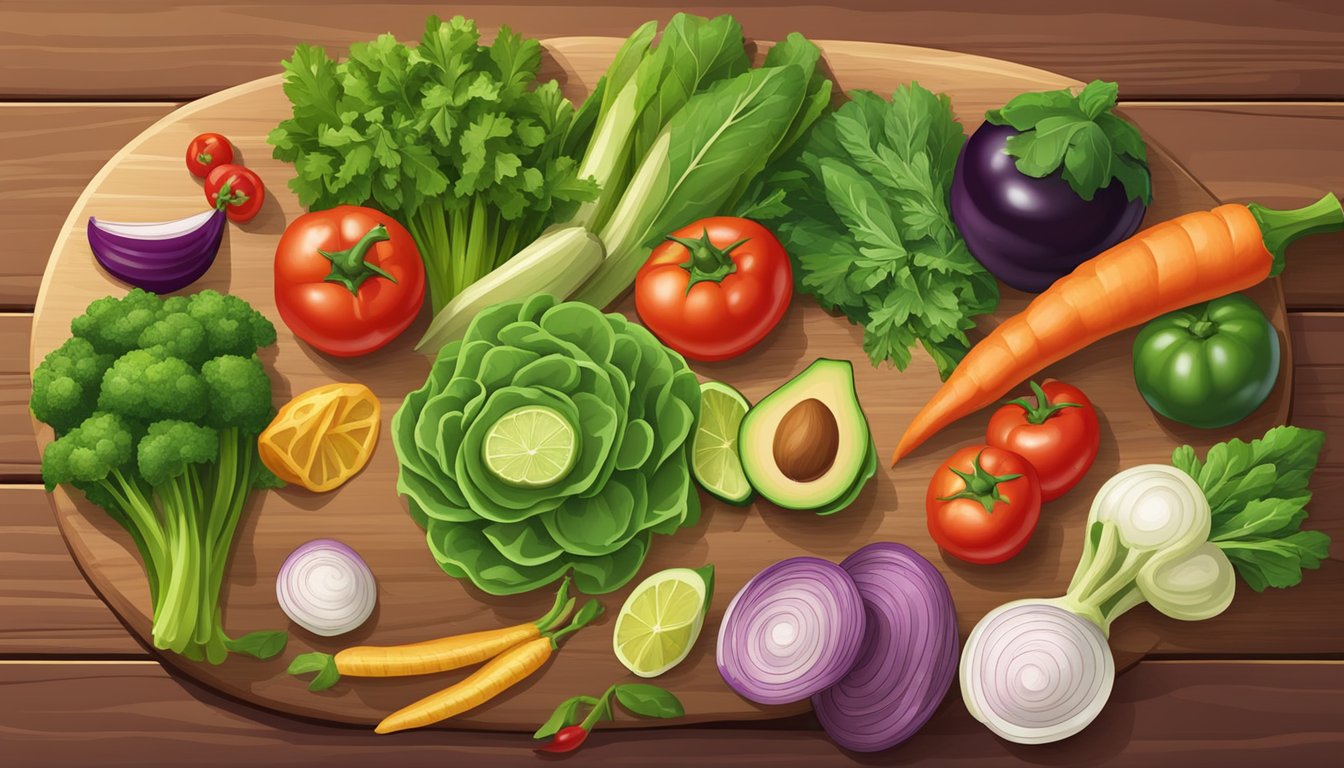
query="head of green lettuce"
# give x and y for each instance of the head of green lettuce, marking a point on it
(624, 406)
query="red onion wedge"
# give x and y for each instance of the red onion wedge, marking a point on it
(326, 588)
(794, 630)
(909, 652)
(1034, 672)
(161, 257)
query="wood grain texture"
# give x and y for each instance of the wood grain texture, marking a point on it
(48, 153)
(1161, 715)
(417, 601)
(183, 49)
(1279, 155)
(46, 606)
(19, 459)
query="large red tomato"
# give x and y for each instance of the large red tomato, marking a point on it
(348, 280)
(715, 288)
(1058, 434)
(983, 504)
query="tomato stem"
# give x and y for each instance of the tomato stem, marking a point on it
(226, 196)
(204, 158)
(349, 268)
(708, 262)
(1042, 409)
(981, 485)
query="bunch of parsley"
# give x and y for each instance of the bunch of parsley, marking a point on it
(454, 139)
(862, 208)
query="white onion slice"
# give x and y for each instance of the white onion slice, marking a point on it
(326, 588)
(1035, 673)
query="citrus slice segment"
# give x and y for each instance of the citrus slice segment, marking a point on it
(322, 437)
(714, 457)
(530, 447)
(661, 620)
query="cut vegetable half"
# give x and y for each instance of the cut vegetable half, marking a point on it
(715, 461)
(660, 621)
(322, 437)
(793, 631)
(1035, 673)
(530, 447)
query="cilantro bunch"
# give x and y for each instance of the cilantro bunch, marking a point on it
(454, 139)
(863, 210)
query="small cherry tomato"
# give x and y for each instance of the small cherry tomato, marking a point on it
(348, 280)
(983, 504)
(207, 152)
(715, 288)
(1058, 434)
(236, 190)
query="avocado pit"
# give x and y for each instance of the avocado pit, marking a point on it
(807, 440)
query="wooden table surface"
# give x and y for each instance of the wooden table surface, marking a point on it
(1249, 97)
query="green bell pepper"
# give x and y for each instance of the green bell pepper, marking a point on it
(1209, 365)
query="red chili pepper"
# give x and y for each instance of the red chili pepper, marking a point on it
(566, 740)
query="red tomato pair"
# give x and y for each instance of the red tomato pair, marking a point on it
(984, 502)
(236, 190)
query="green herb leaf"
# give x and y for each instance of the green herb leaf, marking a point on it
(259, 645)
(648, 700)
(1258, 494)
(867, 223)
(1080, 137)
(321, 663)
(565, 715)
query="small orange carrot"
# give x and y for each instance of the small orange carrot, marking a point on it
(1189, 259)
(430, 656)
(498, 675)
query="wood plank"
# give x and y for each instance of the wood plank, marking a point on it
(1279, 155)
(1179, 714)
(1300, 627)
(46, 605)
(48, 153)
(20, 461)
(179, 50)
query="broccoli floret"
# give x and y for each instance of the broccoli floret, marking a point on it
(147, 385)
(114, 325)
(176, 334)
(65, 384)
(232, 326)
(169, 447)
(88, 453)
(239, 392)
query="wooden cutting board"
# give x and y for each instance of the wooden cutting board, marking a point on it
(145, 181)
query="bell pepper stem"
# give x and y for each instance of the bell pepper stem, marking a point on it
(1281, 228)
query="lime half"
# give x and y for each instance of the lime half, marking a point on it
(530, 447)
(661, 620)
(714, 459)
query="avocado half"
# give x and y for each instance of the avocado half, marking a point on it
(807, 444)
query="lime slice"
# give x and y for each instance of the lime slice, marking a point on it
(661, 620)
(530, 447)
(714, 459)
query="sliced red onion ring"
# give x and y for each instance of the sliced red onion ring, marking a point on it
(1035, 673)
(326, 588)
(792, 631)
(909, 652)
(160, 256)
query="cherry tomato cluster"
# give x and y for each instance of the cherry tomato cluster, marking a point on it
(983, 503)
(230, 187)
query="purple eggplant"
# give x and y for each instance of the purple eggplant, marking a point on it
(1031, 230)
(161, 257)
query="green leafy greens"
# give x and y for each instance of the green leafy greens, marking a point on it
(454, 139)
(1080, 134)
(631, 404)
(1258, 494)
(157, 404)
(862, 208)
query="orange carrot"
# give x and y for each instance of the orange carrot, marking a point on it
(498, 675)
(1192, 258)
(423, 658)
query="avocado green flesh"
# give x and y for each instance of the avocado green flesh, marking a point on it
(832, 383)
